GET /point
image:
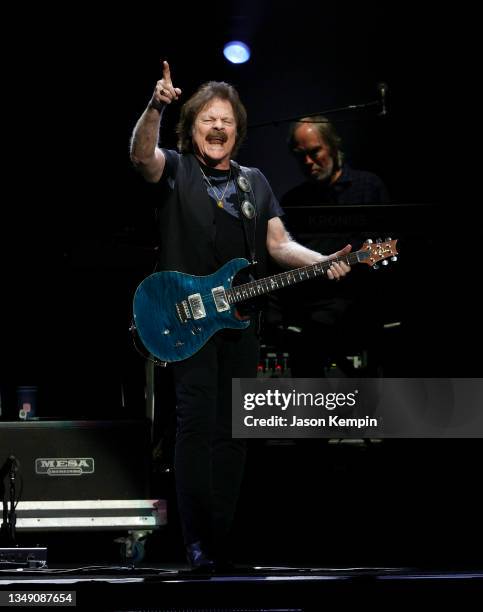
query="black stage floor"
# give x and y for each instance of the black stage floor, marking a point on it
(174, 588)
(375, 526)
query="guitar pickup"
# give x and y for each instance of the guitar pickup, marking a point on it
(219, 296)
(197, 306)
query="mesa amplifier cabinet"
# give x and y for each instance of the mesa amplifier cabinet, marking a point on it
(80, 474)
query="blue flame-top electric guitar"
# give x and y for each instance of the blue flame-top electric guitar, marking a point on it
(176, 313)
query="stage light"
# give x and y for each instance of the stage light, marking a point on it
(236, 52)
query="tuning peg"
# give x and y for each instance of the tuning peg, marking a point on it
(394, 258)
(385, 262)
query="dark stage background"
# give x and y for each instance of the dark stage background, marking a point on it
(79, 234)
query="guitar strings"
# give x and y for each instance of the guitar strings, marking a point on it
(324, 264)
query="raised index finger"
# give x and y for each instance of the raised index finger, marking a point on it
(166, 73)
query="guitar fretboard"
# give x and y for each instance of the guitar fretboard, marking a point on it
(285, 279)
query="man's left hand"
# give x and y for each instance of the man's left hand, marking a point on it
(339, 269)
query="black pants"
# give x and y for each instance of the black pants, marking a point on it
(208, 461)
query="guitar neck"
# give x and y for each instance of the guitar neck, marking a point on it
(255, 288)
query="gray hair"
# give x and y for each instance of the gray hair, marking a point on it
(327, 132)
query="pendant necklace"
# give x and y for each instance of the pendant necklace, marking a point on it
(218, 197)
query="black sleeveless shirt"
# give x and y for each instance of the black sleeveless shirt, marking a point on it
(197, 237)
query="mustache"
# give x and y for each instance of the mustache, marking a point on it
(218, 135)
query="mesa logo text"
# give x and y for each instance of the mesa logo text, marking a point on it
(64, 466)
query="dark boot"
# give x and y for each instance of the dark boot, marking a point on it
(198, 559)
(222, 556)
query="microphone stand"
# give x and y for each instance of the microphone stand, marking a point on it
(4, 527)
(329, 111)
(8, 528)
(12, 515)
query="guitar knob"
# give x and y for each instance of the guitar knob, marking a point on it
(375, 267)
(369, 241)
(378, 241)
(388, 239)
(385, 262)
(393, 258)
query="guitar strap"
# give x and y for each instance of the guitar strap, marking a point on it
(248, 213)
(246, 206)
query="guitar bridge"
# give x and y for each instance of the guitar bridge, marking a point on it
(183, 311)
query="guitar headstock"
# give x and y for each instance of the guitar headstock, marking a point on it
(373, 252)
